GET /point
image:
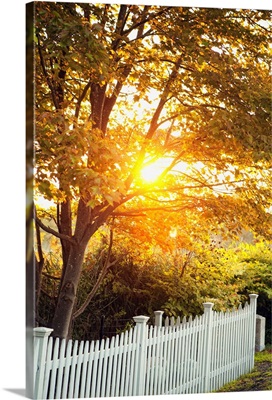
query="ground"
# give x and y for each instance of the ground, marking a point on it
(260, 378)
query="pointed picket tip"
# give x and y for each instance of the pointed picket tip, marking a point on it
(69, 344)
(126, 334)
(81, 345)
(112, 342)
(117, 340)
(63, 344)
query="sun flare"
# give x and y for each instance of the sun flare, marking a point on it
(151, 173)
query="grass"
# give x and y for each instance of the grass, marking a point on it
(260, 378)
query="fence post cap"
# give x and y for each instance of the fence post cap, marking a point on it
(158, 312)
(253, 296)
(42, 332)
(141, 319)
(208, 305)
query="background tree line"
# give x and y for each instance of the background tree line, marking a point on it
(146, 279)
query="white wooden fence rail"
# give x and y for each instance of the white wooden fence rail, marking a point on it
(189, 356)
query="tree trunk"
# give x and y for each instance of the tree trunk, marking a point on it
(38, 268)
(84, 229)
(64, 225)
(68, 290)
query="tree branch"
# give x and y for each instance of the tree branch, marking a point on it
(154, 122)
(103, 272)
(143, 21)
(140, 211)
(52, 231)
(39, 246)
(51, 87)
(81, 98)
(57, 278)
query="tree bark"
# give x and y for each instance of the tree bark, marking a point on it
(68, 290)
(64, 226)
(71, 275)
(38, 267)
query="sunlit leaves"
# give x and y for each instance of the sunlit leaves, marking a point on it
(78, 158)
(193, 81)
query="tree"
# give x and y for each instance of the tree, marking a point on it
(122, 86)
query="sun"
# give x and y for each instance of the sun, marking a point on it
(152, 171)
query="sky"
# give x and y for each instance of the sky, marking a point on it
(12, 339)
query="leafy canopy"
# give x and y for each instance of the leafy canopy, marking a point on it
(120, 86)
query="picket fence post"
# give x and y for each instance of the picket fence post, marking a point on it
(253, 304)
(158, 318)
(208, 316)
(260, 333)
(140, 371)
(41, 336)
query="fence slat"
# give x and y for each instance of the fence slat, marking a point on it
(101, 361)
(67, 370)
(178, 354)
(129, 371)
(47, 367)
(193, 356)
(105, 348)
(60, 369)
(54, 370)
(115, 363)
(158, 366)
(94, 372)
(89, 370)
(73, 371)
(148, 358)
(78, 369)
(110, 366)
(154, 360)
(84, 369)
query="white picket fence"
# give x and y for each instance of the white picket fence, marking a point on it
(190, 356)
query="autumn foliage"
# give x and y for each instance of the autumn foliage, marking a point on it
(122, 87)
